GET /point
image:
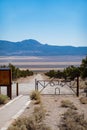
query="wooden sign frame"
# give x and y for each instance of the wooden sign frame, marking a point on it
(5, 80)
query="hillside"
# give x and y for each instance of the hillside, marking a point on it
(34, 48)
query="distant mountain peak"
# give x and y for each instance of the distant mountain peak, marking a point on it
(31, 41)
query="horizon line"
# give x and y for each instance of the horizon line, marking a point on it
(41, 42)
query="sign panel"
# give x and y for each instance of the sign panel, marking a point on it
(5, 80)
(5, 77)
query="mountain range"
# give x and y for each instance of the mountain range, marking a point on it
(34, 48)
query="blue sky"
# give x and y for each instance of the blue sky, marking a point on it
(55, 22)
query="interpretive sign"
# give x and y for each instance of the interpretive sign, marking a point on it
(5, 79)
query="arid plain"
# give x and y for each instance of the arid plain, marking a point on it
(41, 63)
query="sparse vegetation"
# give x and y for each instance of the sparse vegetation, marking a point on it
(39, 113)
(83, 100)
(70, 72)
(71, 120)
(51, 73)
(17, 73)
(35, 122)
(23, 124)
(83, 68)
(3, 99)
(68, 104)
(35, 95)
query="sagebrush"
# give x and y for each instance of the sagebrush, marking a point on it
(71, 120)
(68, 104)
(35, 95)
(83, 100)
(3, 99)
(34, 122)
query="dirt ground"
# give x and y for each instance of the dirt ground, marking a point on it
(53, 109)
(52, 104)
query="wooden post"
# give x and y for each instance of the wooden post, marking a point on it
(8, 91)
(35, 84)
(77, 86)
(10, 87)
(17, 92)
(0, 89)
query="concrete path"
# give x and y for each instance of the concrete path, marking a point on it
(12, 110)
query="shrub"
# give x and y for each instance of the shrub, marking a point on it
(23, 127)
(35, 95)
(39, 114)
(68, 103)
(23, 124)
(37, 101)
(35, 122)
(3, 99)
(51, 73)
(83, 100)
(71, 120)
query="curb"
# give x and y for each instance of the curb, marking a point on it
(17, 114)
(21, 111)
(13, 100)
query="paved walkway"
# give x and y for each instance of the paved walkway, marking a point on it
(12, 110)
